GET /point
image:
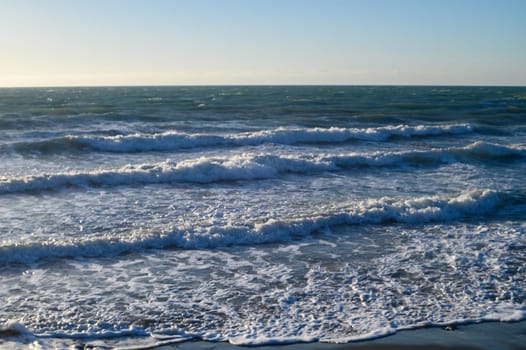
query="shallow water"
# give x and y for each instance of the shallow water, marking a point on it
(259, 214)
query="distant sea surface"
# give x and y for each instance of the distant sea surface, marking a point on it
(258, 215)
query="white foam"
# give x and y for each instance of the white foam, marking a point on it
(295, 295)
(384, 210)
(251, 166)
(507, 313)
(173, 140)
(258, 340)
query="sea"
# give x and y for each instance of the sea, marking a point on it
(258, 215)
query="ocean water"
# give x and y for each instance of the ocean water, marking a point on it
(258, 215)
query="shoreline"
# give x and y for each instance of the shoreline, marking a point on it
(490, 335)
(485, 335)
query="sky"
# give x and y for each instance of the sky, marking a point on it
(270, 42)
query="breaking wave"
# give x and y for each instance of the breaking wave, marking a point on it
(175, 140)
(252, 166)
(385, 210)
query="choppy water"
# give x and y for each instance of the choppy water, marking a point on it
(258, 214)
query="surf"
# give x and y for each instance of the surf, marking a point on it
(256, 166)
(380, 211)
(174, 140)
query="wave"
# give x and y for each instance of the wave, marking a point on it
(420, 210)
(18, 336)
(251, 166)
(175, 140)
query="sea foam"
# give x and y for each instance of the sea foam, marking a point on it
(173, 140)
(419, 210)
(254, 166)
(177, 140)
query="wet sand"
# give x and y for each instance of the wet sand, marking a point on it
(482, 336)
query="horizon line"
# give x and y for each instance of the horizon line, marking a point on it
(254, 85)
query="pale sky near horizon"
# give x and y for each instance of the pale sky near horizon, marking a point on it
(179, 42)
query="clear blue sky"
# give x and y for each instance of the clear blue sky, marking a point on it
(175, 42)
